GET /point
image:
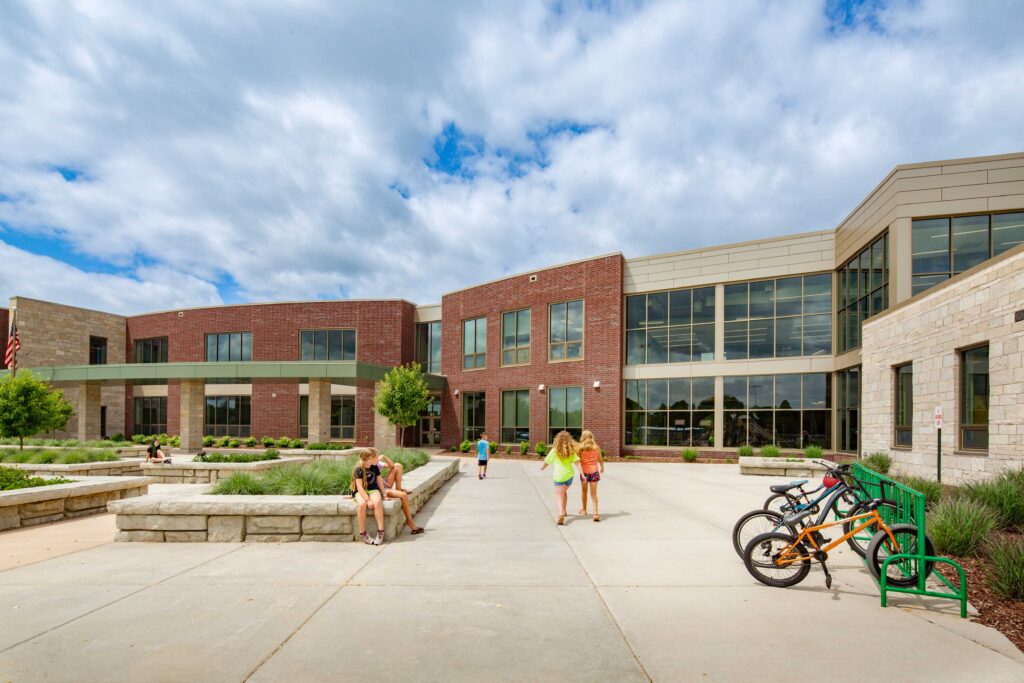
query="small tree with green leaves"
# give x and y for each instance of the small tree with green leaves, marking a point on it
(29, 406)
(403, 397)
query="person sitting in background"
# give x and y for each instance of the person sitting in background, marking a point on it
(155, 454)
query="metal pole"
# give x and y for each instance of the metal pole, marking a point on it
(938, 464)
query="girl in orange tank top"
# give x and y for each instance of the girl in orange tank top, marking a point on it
(592, 467)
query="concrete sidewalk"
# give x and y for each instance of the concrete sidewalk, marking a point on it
(493, 591)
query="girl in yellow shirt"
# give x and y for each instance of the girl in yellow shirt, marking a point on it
(562, 456)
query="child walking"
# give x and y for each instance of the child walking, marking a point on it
(591, 469)
(562, 456)
(483, 451)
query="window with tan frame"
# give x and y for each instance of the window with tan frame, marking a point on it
(474, 343)
(515, 337)
(565, 331)
(903, 419)
(974, 398)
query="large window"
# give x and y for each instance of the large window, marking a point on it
(327, 345)
(848, 405)
(150, 415)
(565, 336)
(97, 350)
(863, 291)
(343, 417)
(903, 419)
(778, 318)
(565, 411)
(474, 414)
(974, 398)
(228, 415)
(229, 347)
(791, 411)
(474, 343)
(428, 346)
(151, 350)
(515, 416)
(515, 337)
(670, 327)
(943, 247)
(670, 412)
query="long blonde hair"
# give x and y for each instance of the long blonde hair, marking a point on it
(587, 442)
(564, 447)
(364, 459)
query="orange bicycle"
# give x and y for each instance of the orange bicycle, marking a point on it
(783, 559)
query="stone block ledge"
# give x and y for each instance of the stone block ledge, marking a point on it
(182, 471)
(199, 516)
(43, 504)
(780, 467)
(131, 467)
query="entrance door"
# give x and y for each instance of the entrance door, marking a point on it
(430, 423)
(103, 422)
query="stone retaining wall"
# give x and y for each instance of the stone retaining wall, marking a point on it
(109, 468)
(198, 516)
(780, 467)
(185, 471)
(43, 504)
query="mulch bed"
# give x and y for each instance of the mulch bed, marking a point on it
(1006, 616)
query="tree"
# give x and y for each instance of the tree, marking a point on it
(403, 397)
(29, 406)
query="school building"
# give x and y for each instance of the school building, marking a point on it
(848, 338)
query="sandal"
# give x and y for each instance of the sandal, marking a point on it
(597, 518)
(561, 520)
(417, 530)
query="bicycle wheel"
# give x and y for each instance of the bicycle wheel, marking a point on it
(859, 542)
(843, 504)
(751, 524)
(759, 558)
(775, 502)
(902, 573)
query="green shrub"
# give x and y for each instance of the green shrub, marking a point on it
(318, 446)
(1006, 566)
(138, 438)
(12, 478)
(118, 438)
(931, 489)
(879, 462)
(465, 446)
(295, 443)
(453, 449)
(508, 450)
(541, 448)
(272, 454)
(959, 526)
(770, 451)
(283, 442)
(207, 441)
(524, 447)
(268, 441)
(251, 442)
(689, 455)
(269, 454)
(747, 450)
(222, 442)
(240, 484)
(1004, 494)
(813, 451)
(164, 439)
(234, 443)
(492, 446)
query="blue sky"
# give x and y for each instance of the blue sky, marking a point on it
(192, 153)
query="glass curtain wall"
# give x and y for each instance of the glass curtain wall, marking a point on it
(944, 247)
(670, 412)
(670, 327)
(791, 411)
(779, 318)
(863, 291)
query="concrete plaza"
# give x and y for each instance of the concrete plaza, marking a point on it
(493, 591)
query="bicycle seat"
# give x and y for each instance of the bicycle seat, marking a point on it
(794, 518)
(782, 488)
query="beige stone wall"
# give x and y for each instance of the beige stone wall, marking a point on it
(54, 334)
(777, 257)
(974, 308)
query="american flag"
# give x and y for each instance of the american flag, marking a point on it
(13, 345)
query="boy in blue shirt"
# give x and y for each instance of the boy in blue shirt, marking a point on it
(483, 451)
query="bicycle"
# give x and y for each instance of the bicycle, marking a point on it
(841, 500)
(783, 559)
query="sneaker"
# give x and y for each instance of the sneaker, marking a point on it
(379, 540)
(366, 538)
(479, 476)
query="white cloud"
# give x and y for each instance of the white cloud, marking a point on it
(260, 143)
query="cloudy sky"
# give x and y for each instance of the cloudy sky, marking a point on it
(164, 154)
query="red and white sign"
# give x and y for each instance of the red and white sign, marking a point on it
(938, 417)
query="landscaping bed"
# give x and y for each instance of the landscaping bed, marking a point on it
(202, 516)
(56, 500)
(185, 470)
(81, 462)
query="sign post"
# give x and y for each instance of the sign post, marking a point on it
(938, 430)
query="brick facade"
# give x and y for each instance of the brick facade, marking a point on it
(975, 308)
(384, 336)
(599, 283)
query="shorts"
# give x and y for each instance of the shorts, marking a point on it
(567, 483)
(481, 463)
(592, 477)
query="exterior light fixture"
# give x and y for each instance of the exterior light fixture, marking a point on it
(540, 388)
(456, 392)
(597, 384)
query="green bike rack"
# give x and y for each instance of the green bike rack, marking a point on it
(910, 509)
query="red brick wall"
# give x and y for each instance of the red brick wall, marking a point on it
(5, 326)
(384, 336)
(597, 281)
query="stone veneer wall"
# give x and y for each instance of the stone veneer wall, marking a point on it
(53, 334)
(44, 504)
(974, 308)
